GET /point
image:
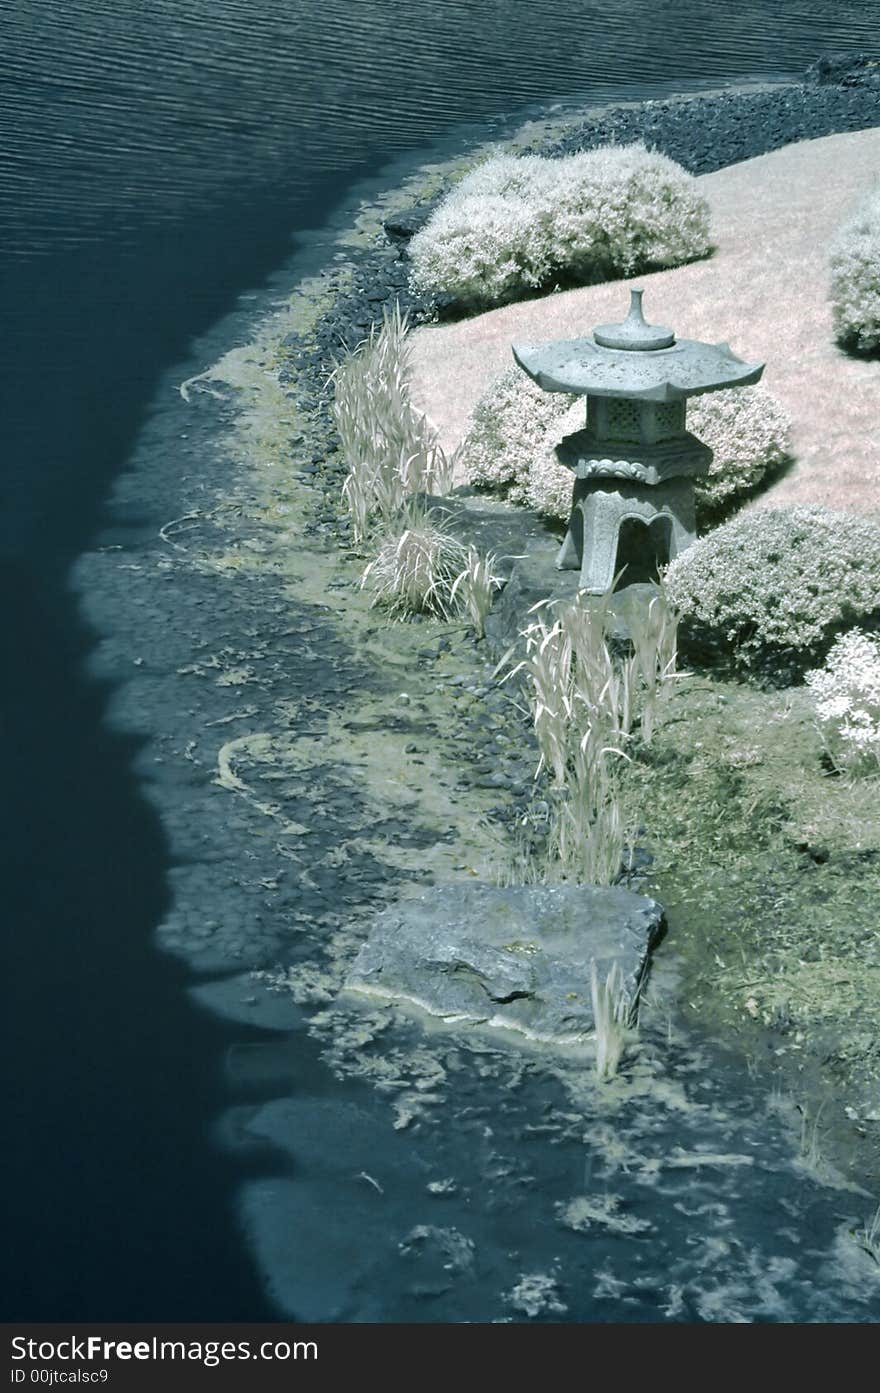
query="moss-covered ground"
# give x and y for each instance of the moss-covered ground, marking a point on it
(768, 865)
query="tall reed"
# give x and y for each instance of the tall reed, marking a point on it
(653, 632)
(576, 690)
(475, 586)
(585, 700)
(391, 451)
(613, 1010)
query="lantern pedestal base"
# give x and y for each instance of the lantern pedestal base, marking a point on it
(599, 509)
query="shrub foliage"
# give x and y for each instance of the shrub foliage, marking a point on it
(847, 696)
(748, 431)
(770, 589)
(855, 276)
(516, 223)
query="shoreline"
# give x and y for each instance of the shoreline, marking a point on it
(296, 647)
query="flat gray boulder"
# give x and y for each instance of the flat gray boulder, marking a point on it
(517, 958)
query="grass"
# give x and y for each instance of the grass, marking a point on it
(572, 685)
(476, 585)
(395, 465)
(585, 701)
(391, 451)
(417, 571)
(810, 1151)
(587, 834)
(612, 1014)
(654, 634)
(868, 1238)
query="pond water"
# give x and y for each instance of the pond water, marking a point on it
(158, 164)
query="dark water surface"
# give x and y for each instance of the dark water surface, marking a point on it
(156, 162)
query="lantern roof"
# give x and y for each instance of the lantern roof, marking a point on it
(635, 359)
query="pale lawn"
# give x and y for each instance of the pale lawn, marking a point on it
(765, 290)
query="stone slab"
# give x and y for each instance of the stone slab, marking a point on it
(516, 958)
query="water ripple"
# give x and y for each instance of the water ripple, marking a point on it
(114, 117)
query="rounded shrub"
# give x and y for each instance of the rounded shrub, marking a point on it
(621, 209)
(549, 484)
(480, 249)
(748, 430)
(516, 223)
(855, 277)
(768, 591)
(507, 425)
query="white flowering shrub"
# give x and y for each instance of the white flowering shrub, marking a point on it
(847, 696)
(748, 430)
(855, 276)
(516, 222)
(770, 588)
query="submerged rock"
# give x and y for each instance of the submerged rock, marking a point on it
(513, 957)
(400, 227)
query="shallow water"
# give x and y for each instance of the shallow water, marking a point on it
(156, 166)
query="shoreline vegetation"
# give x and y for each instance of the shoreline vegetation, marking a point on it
(767, 866)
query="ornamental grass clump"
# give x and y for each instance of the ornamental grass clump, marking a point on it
(855, 277)
(515, 224)
(653, 631)
(847, 697)
(586, 836)
(768, 591)
(390, 450)
(414, 573)
(475, 587)
(585, 700)
(613, 1010)
(572, 684)
(582, 714)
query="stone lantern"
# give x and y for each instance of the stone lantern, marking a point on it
(634, 460)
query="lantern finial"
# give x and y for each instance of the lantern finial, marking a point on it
(633, 332)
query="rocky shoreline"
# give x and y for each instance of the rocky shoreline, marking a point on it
(312, 764)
